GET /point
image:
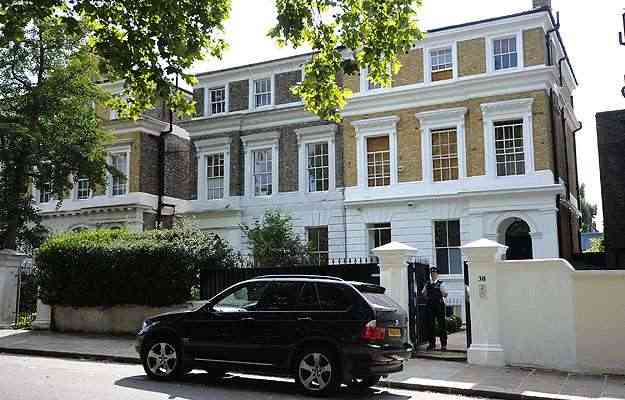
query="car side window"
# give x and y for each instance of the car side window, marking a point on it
(245, 298)
(280, 296)
(308, 300)
(334, 297)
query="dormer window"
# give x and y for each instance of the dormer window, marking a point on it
(262, 92)
(441, 64)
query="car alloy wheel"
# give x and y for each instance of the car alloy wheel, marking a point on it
(162, 359)
(315, 372)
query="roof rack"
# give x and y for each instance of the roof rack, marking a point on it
(332, 278)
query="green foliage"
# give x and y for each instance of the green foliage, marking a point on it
(273, 242)
(48, 126)
(143, 42)
(589, 211)
(597, 246)
(111, 267)
(25, 320)
(375, 32)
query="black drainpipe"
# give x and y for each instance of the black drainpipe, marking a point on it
(161, 166)
(556, 172)
(579, 221)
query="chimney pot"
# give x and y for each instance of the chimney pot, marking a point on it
(541, 3)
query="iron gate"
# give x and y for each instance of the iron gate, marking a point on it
(418, 276)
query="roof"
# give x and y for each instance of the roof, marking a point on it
(436, 30)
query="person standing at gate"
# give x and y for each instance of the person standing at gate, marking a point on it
(435, 293)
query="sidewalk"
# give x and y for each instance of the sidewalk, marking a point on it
(419, 374)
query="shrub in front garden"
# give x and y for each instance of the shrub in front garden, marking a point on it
(114, 267)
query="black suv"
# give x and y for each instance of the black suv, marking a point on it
(320, 330)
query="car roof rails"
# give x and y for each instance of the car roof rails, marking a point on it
(332, 278)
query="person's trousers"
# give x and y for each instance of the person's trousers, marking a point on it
(436, 324)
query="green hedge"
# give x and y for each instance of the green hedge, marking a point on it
(112, 267)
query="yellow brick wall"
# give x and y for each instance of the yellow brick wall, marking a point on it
(409, 137)
(534, 52)
(472, 57)
(411, 68)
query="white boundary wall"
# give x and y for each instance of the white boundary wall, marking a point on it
(543, 313)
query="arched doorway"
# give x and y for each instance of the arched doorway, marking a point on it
(518, 240)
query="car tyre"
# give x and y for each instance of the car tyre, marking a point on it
(360, 384)
(162, 359)
(317, 371)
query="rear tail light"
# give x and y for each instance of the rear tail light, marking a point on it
(372, 332)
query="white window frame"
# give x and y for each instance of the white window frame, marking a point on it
(208, 110)
(427, 60)
(318, 253)
(118, 150)
(313, 135)
(373, 230)
(364, 81)
(252, 91)
(434, 255)
(375, 127)
(40, 192)
(261, 141)
(207, 147)
(503, 111)
(207, 107)
(76, 190)
(490, 52)
(453, 118)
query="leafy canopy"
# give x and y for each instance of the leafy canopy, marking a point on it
(49, 130)
(375, 32)
(145, 42)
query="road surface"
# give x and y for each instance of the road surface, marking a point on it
(37, 378)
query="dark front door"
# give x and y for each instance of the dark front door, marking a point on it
(519, 241)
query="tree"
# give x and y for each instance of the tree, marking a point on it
(144, 42)
(589, 211)
(273, 242)
(49, 132)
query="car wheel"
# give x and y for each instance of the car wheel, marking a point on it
(317, 371)
(364, 383)
(162, 360)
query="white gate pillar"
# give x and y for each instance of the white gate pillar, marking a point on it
(394, 270)
(482, 256)
(9, 264)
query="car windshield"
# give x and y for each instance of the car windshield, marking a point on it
(381, 300)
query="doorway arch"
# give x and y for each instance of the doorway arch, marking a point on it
(516, 234)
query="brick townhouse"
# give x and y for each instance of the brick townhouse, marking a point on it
(475, 138)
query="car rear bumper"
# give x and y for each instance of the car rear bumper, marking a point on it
(368, 360)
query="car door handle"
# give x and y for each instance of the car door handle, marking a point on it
(247, 319)
(304, 319)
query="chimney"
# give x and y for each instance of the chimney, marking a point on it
(541, 3)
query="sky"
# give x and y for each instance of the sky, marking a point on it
(589, 30)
